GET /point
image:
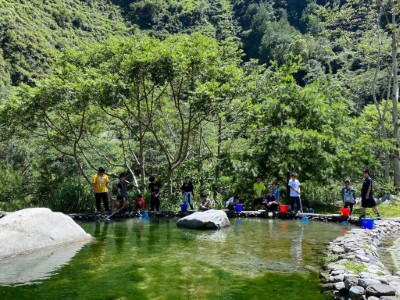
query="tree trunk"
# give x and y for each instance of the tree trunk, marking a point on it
(217, 167)
(170, 183)
(395, 99)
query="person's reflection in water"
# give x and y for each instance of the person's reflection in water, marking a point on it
(138, 229)
(120, 231)
(271, 227)
(283, 227)
(97, 250)
(296, 247)
(344, 230)
(154, 235)
(239, 223)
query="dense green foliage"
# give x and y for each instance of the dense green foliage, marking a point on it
(217, 90)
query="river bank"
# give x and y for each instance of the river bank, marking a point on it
(353, 269)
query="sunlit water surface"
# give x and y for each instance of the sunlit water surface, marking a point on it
(135, 259)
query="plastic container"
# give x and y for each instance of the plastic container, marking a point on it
(367, 223)
(345, 212)
(238, 207)
(184, 207)
(283, 208)
(310, 210)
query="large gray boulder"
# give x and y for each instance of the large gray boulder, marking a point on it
(210, 219)
(32, 229)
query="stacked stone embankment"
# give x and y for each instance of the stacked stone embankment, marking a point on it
(353, 269)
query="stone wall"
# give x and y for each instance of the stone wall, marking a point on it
(352, 266)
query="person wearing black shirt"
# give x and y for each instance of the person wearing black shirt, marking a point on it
(155, 190)
(187, 192)
(367, 195)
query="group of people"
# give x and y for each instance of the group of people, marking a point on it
(100, 182)
(367, 195)
(268, 200)
(263, 198)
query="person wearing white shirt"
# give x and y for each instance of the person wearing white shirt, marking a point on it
(294, 186)
(230, 204)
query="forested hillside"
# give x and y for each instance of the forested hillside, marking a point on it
(217, 90)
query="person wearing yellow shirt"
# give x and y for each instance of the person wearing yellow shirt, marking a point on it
(100, 189)
(259, 190)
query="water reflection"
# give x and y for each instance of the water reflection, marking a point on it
(97, 249)
(31, 268)
(214, 236)
(120, 233)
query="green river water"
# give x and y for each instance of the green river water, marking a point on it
(135, 259)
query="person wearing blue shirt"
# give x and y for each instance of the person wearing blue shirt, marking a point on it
(230, 204)
(205, 203)
(276, 191)
(270, 202)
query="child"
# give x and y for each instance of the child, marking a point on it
(138, 203)
(276, 191)
(187, 192)
(230, 204)
(367, 195)
(270, 201)
(348, 195)
(205, 203)
(259, 189)
(294, 186)
(121, 205)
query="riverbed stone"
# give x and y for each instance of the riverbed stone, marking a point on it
(363, 258)
(338, 249)
(350, 282)
(364, 282)
(380, 290)
(339, 286)
(33, 229)
(356, 292)
(210, 219)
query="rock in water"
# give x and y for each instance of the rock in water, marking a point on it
(33, 229)
(210, 219)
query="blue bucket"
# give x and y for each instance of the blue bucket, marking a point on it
(184, 207)
(367, 223)
(238, 207)
(310, 210)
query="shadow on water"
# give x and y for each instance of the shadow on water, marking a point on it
(138, 259)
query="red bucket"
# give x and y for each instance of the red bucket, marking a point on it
(345, 212)
(283, 208)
